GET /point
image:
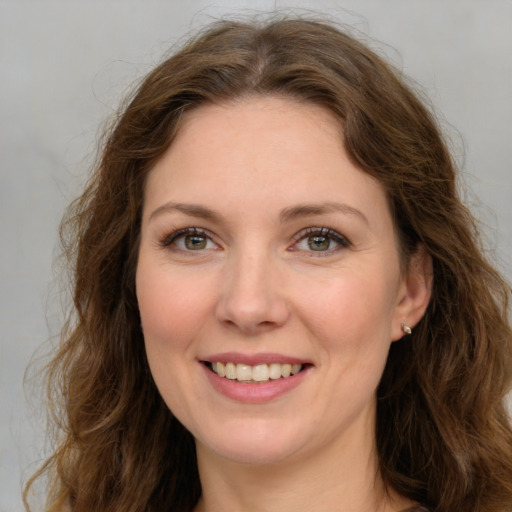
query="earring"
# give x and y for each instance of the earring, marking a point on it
(406, 329)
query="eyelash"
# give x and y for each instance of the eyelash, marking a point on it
(171, 239)
(320, 232)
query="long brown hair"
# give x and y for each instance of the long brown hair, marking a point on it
(443, 435)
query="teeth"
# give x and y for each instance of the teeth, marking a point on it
(274, 371)
(260, 373)
(257, 373)
(243, 372)
(220, 370)
(230, 371)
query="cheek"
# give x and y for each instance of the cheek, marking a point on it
(351, 303)
(351, 319)
(172, 311)
(172, 307)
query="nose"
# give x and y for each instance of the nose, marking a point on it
(252, 299)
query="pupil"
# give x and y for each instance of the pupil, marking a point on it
(318, 243)
(195, 242)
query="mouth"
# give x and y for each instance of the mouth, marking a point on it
(253, 374)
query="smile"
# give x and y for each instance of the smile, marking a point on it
(257, 373)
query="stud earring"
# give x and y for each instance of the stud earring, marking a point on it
(406, 329)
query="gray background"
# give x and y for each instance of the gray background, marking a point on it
(65, 64)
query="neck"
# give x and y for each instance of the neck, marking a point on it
(343, 477)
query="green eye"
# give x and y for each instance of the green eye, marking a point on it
(189, 240)
(319, 243)
(195, 242)
(320, 240)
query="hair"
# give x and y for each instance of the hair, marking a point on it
(443, 434)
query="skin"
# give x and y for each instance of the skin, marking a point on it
(254, 285)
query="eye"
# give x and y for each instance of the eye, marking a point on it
(319, 240)
(189, 239)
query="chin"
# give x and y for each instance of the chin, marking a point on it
(253, 445)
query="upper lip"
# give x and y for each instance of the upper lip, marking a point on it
(253, 359)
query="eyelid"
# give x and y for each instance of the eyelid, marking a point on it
(322, 231)
(167, 240)
(170, 238)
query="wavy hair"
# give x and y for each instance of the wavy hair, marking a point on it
(443, 435)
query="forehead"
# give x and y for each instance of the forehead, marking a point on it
(255, 128)
(264, 151)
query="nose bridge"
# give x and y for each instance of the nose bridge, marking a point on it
(251, 298)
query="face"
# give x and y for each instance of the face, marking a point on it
(268, 282)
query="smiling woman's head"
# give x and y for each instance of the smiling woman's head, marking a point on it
(262, 246)
(441, 430)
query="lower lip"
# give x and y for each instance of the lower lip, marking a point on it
(254, 393)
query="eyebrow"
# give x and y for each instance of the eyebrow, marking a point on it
(194, 210)
(286, 215)
(305, 210)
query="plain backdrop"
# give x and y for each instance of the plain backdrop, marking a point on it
(64, 66)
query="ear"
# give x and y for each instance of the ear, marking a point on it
(414, 292)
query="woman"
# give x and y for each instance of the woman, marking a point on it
(281, 302)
